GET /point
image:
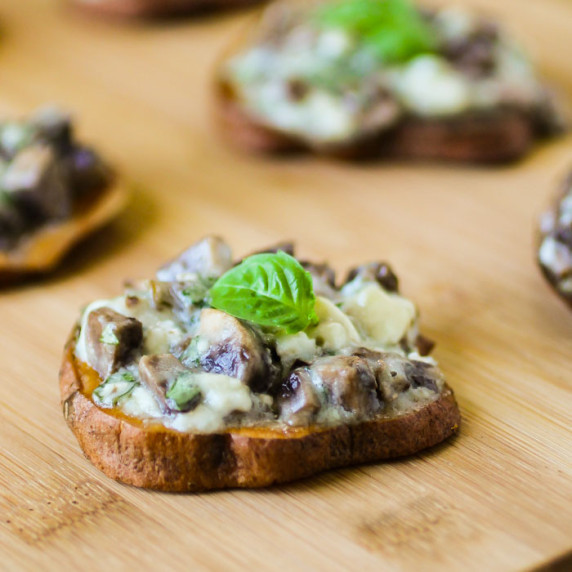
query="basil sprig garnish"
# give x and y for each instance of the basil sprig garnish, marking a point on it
(393, 29)
(271, 290)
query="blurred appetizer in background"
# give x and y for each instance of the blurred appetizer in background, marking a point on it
(53, 191)
(369, 78)
(555, 248)
(158, 8)
(218, 374)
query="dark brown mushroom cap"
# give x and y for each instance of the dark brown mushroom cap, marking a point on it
(110, 338)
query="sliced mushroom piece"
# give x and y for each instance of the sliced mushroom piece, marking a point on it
(35, 181)
(396, 374)
(170, 382)
(110, 340)
(349, 382)
(228, 346)
(209, 258)
(323, 278)
(379, 272)
(297, 400)
(423, 374)
(53, 126)
(424, 345)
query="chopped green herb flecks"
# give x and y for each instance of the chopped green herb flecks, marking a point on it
(184, 394)
(393, 29)
(191, 356)
(117, 386)
(271, 290)
(108, 335)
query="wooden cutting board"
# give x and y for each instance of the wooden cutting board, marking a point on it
(498, 497)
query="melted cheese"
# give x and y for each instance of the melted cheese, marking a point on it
(335, 330)
(222, 396)
(385, 318)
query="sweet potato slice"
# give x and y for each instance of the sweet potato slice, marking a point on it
(155, 457)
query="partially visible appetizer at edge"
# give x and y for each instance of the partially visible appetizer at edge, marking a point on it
(555, 244)
(363, 78)
(53, 191)
(157, 8)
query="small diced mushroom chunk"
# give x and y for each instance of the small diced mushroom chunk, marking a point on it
(53, 126)
(297, 400)
(422, 374)
(379, 272)
(321, 273)
(110, 339)
(349, 383)
(210, 258)
(35, 181)
(170, 382)
(232, 348)
(323, 278)
(397, 374)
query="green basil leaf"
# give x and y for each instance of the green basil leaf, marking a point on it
(271, 290)
(393, 29)
(184, 393)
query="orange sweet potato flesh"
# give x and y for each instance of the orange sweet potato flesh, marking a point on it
(159, 458)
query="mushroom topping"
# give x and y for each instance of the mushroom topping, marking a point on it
(297, 400)
(110, 339)
(396, 374)
(379, 272)
(170, 382)
(52, 125)
(422, 374)
(349, 383)
(35, 181)
(209, 258)
(231, 348)
(323, 278)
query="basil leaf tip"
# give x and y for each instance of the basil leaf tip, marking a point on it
(393, 29)
(271, 290)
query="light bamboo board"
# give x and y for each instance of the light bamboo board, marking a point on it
(496, 498)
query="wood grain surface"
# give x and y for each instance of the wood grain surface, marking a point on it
(462, 240)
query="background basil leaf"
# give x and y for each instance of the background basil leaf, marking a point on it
(270, 290)
(393, 29)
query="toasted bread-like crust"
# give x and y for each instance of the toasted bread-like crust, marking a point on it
(157, 8)
(43, 249)
(493, 137)
(156, 457)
